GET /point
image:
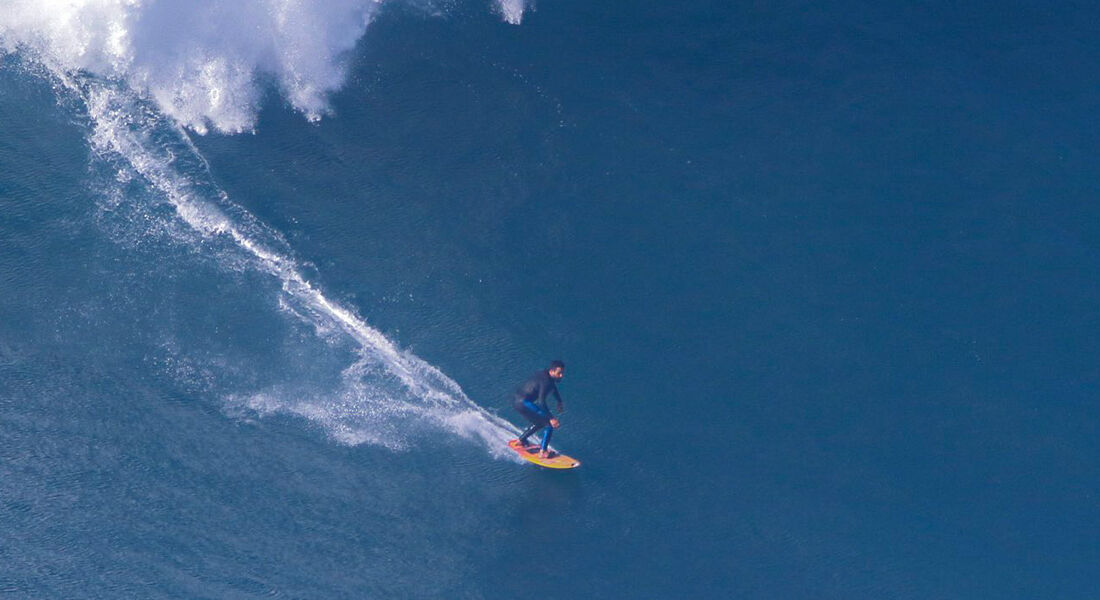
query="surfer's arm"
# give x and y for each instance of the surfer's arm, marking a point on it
(557, 396)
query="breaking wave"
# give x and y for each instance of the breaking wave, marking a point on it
(144, 73)
(202, 61)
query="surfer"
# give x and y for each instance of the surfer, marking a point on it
(530, 401)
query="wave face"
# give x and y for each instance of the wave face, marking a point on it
(142, 74)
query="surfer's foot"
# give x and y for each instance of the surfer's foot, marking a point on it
(523, 442)
(546, 453)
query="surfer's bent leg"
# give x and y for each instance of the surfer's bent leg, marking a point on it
(546, 433)
(537, 415)
(530, 431)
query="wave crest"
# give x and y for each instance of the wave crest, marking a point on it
(202, 61)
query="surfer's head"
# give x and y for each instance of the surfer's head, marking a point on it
(557, 369)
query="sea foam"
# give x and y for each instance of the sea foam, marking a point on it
(202, 61)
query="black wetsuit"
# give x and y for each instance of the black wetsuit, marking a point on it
(530, 401)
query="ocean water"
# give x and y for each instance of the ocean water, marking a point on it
(824, 277)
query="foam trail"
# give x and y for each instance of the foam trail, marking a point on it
(121, 128)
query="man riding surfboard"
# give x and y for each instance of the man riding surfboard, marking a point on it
(530, 401)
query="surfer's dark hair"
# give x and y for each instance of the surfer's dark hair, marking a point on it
(555, 364)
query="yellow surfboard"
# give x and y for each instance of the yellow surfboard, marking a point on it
(556, 461)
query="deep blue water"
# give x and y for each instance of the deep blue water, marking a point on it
(824, 276)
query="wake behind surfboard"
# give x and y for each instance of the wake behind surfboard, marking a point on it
(531, 454)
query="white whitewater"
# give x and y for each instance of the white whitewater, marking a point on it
(147, 71)
(200, 61)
